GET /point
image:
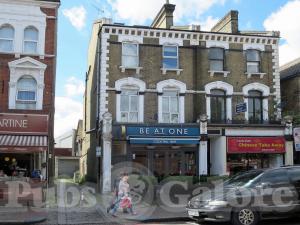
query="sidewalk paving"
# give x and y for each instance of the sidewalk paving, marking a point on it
(22, 215)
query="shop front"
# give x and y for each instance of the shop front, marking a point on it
(246, 153)
(163, 150)
(23, 144)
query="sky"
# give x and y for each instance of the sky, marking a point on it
(76, 18)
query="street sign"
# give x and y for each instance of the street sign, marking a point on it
(241, 107)
(98, 151)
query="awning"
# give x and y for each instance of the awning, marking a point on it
(23, 143)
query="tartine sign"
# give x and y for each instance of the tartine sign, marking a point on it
(23, 124)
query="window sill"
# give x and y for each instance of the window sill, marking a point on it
(137, 69)
(249, 75)
(214, 72)
(165, 70)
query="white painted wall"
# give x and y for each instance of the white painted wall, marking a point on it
(218, 156)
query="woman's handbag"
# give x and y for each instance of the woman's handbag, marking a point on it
(125, 202)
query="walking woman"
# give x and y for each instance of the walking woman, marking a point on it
(123, 196)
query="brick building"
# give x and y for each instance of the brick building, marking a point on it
(290, 92)
(181, 101)
(28, 36)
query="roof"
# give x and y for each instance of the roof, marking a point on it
(290, 70)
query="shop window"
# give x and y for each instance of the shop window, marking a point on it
(31, 36)
(255, 106)
(216, 59)
(170, 106)
(170, 57)
(7, 34)
(218, 105)
(130, 55)
(26, 93)
(129, 104)
(253, 61)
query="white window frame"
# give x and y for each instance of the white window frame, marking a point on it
(175, 90)
(214, 59)
(125, 82)
(170, 57)
(265, 93)
(172, 84)
(256, 63)
(228, 88)
(130, 88)
(137, 54)
(34, 69)
(22, 101)
(6, 39)
(31, 41)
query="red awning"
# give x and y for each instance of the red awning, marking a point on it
(23, 143)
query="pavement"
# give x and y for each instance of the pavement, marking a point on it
(69, 203)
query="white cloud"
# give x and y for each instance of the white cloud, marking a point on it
(138, 12)
(74, 87)
(67, 114)
(285, 20)
(68, 110)
(208, 23)
(77, 16)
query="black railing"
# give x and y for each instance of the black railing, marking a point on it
(243, 122)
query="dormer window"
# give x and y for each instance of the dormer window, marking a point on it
(31, 36)
(7, 34)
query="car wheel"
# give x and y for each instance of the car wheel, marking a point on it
(244, 216)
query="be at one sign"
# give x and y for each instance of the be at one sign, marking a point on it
(241, 107)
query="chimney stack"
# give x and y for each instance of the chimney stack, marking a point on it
(228, 24)
(164, 19)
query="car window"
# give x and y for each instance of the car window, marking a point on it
(294, 174)
(275, 177)
(242, 179)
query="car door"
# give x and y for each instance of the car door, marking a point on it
(294, 174)
(277, 193)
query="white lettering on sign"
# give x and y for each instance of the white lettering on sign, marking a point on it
(144, 131)
(13, 123)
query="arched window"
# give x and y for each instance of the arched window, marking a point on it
(7, 34)
(255, 106)
(26, 93)
(31, 37)
(219, 101)
(170, 105)
(253, 60)
(171, 101)
(216, 59)
(218, 105)
(129, 104)
(130, 100)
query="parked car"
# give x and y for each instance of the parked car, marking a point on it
(249, 197)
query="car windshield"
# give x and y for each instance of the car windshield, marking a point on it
(242, 179)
